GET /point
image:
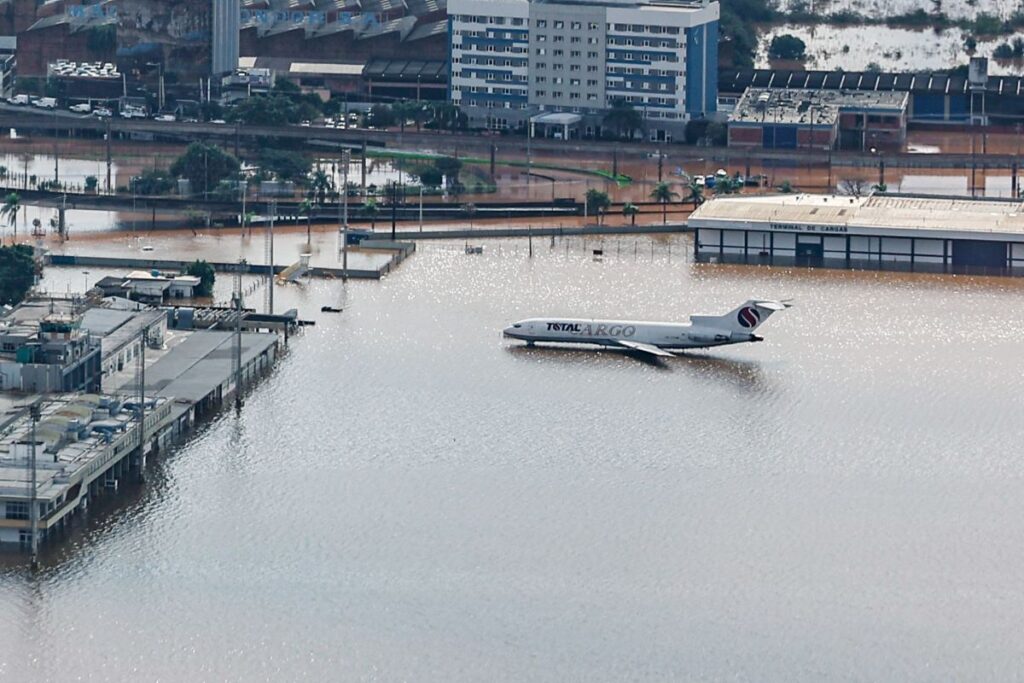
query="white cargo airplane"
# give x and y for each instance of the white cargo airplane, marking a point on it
(657, 339)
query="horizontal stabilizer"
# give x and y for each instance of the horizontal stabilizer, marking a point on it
(645, 348)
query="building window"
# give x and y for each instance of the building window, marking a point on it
(574, 53)
(542, 23)
(17, 510)
(541, 51)
(559, 25)
(592, 25)
(576, 25)
(557, 39)
(591, 55)
(574, 67)
(575, 39)
(541, 38)
(540, 93)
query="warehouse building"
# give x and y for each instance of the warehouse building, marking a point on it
(890, 232)
(774, 118)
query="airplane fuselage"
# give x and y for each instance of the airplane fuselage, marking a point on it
(615, 332)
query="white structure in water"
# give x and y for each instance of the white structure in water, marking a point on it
(899, 232)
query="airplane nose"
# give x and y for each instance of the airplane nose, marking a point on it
(508, 331)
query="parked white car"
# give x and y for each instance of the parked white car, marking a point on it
(46, 103)
(82, 108)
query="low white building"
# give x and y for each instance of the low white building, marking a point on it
(898, 232)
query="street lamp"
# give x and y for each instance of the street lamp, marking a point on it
(85, 280)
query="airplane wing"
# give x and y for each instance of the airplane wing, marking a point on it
(645, 348)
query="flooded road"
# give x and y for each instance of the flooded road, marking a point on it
(409, 496)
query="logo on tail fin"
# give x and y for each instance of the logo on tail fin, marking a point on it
(748, 316)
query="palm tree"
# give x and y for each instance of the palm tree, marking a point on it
(9, 211)
(623, 117)
(663, 193)
(371, 209)
(630, 210)
(247, 221)
(696, 194)
(321, 186)
(597, 203)
(306, 209)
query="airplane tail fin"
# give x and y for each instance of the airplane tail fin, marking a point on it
(745, 318)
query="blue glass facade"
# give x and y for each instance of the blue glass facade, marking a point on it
(702, 69)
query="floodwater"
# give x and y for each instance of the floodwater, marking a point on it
(411, 497)
(853, 48)
(880, 9)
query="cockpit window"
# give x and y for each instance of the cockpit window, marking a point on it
(517, 325)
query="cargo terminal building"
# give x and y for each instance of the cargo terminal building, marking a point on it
(889, 232)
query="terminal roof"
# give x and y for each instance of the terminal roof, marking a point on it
(895, 212)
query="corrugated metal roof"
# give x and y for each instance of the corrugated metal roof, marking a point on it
(879, 212)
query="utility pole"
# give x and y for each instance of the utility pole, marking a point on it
(346, 159)
(33, 412)
(421, 207)
(143, 341)
(363, 184)
(661, 159)
(236, 300)
(268, 250)
(394, 208)
(110, 187)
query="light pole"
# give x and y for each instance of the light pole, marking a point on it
(85, 281)
(345, 160)
(421, 206)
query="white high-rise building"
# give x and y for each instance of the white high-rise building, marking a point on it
(512, 60)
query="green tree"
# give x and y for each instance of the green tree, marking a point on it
(91, 183)
(17, 273)
(404, 110)
(371, 210)
(321, 186)
(630, 210)
(623, 118)
(247, 219)
(261, 110)
(306, 209)
(430, 176)
(9, 211)
(446, 116)
(450, 167)
(597, 203)
(696, 194)
(205, 166)
(787, 46)
(153, 181)
(664, 194)
(284, 165)
(381, 116)
(204, 271)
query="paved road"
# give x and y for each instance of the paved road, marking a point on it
(35, 120)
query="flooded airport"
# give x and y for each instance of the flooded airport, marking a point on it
(412, 497)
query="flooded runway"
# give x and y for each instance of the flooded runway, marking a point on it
(410, 496)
